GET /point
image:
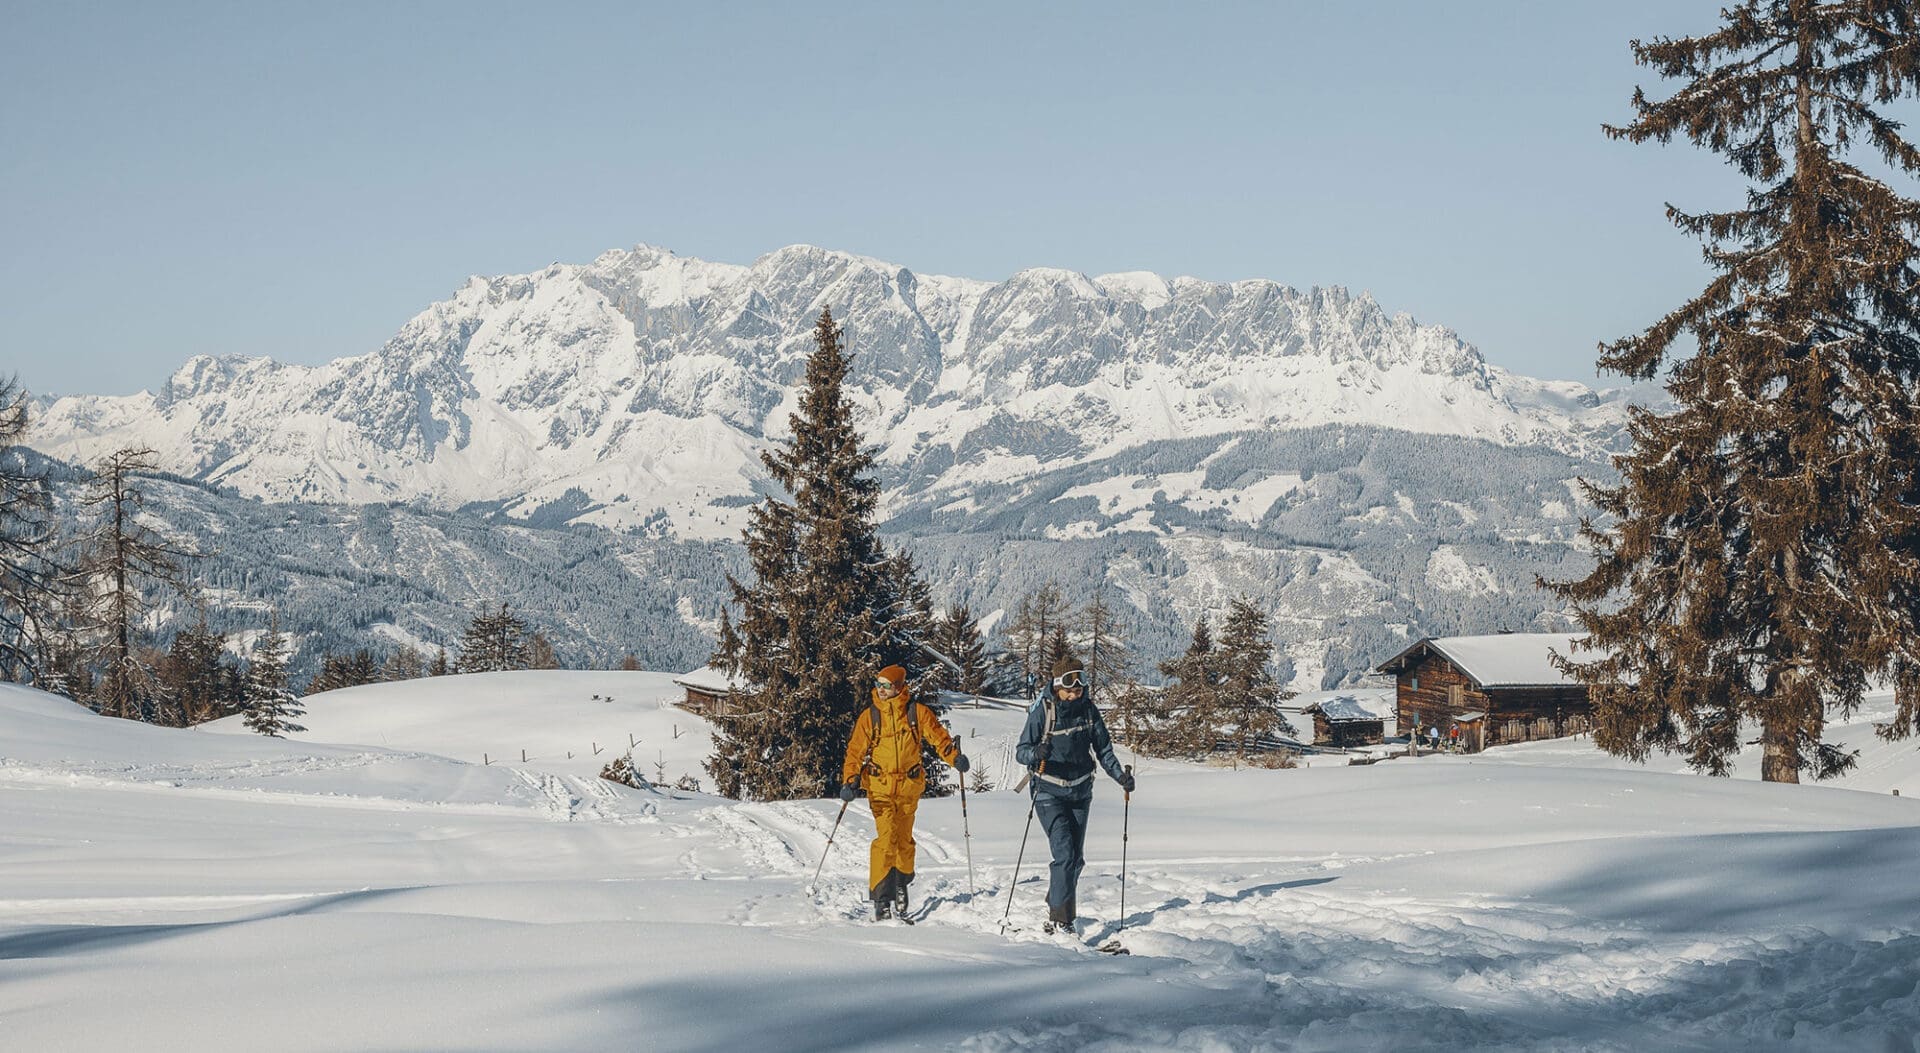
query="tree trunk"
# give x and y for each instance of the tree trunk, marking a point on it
(1779, 761)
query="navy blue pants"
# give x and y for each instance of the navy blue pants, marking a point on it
(1065, 821)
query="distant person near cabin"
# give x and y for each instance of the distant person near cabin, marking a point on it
(1063, 737)
(1453, 738)
(884, 753)
(1433, 737)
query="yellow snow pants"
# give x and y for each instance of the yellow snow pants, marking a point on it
(893, 826)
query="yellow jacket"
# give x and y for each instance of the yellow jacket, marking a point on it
(895, 747)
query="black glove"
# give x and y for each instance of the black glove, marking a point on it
(960, 763)
(848, 791)
(1126, 782)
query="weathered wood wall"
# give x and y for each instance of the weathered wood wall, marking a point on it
(1513, 714)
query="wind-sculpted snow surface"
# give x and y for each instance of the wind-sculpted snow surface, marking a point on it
(1440, 904)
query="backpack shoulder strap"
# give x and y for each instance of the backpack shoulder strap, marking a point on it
(873, 734)
(873, 728)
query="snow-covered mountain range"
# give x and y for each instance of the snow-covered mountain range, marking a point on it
(1177, 442)
(635, 391)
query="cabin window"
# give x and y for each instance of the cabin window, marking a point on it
(1456, 695)
(1414, 684)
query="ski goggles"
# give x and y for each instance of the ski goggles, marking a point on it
(1070, 679)
(885, 685)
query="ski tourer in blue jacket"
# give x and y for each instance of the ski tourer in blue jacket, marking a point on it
(1063, 737)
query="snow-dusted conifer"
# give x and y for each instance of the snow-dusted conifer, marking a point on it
(827, 607)
(1247, 701)
(1762, 563)
(270, 706)
(494, 642)
(1184, 718)
(959, 638)
(195, 674)
(405, 663)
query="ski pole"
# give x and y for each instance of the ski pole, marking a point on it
(967, 833)
(1126, 808)
(815, 886)
(1015, 887)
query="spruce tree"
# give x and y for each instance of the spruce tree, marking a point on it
(405, 663)
(324, 677)
(1248, 697)
(1059, 649)
(959, 638)
(826, 607)
(120, 558)
(439, 666)
(349, 670)
(1130, 711)
(361, 667)
(270, 707)
(1762, 564)
(195, 674)
(1183, 717)
(30, 593)
(495, 642)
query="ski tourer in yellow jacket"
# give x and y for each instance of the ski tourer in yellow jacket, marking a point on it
(884, 754)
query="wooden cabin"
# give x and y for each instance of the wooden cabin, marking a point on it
(1344, 720)
(709, 691)
(1501, 688)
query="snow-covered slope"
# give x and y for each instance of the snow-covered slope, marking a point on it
(562, 722)
(637, 389)
(1444, 904)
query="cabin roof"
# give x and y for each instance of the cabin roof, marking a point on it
(1497, 660)
(710, 680)
(1343, 707)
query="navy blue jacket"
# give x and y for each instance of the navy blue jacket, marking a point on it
(1079, 737)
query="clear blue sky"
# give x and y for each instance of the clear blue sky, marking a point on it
(296, 180)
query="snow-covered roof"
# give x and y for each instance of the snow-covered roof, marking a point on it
(1500, 659)
(1343, 707)
(710, 680)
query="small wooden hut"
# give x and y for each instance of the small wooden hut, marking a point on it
(709, 691)
(1500, 688)
(1344, 720)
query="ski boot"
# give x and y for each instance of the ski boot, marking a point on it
(1059, 919)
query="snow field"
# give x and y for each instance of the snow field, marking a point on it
(232, 892)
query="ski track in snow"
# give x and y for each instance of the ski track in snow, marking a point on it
(1270, 952)
(1485, 974)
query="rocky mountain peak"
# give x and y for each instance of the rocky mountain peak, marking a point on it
(646, 381)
